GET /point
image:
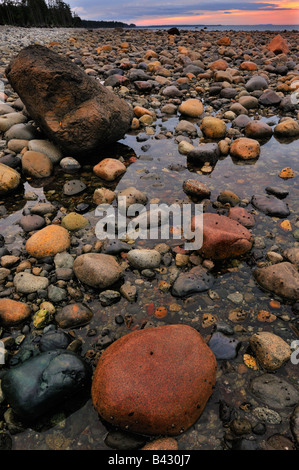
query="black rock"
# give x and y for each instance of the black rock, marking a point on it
(224, 347)
(270, 205)
(114, 247)
(11, 161)
(53, 340)
(192, 282)
(121, 440)
(277, 192)
(174, 31)
(205, 153)
(5, 441)
(37, 386)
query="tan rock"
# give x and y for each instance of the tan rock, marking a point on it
(271, 350)
(192, 108)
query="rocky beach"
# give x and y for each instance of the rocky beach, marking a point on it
(126, 344)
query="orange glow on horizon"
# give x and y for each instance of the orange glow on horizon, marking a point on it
(235, 17)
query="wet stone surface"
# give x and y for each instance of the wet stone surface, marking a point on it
(81, 310)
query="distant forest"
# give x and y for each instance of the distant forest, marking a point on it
(52, 13)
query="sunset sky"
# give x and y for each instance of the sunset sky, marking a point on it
(157, 12)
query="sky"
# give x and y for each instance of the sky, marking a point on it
(189, 12)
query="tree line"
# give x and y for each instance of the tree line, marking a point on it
(52, 13)
(37, 13)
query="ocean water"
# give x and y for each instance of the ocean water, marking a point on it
(259, 27)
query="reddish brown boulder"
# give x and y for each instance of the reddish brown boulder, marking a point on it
(223, 237)
(12, 312)
(73, 109)
(278, 45)
(154, 381)
(241, 215)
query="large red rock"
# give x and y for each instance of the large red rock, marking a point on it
(155, 381)
(73, 109)
(223, 237)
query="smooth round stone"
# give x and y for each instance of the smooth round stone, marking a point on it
(163, 443)
(292, 255)
(258, 130)
(46, 147)
(281, 279)
(43, 208)
(277, 192)
(269, 98)
(103, 196)
(196, 188)
(70, 164)
(185, 147)
(27, 283)
(73, 187)
(274, 391)
(53, 340)
(192, 282)
(271, 350)
(74, 221)
(21, 131)
(185, 127)
(192, 108)
(11, 160)
(223, 237)
(114, 247)
(245, 148)
(37, 164)
(9, 179)
(109, 169)
(45, 381)
(12, 312)
(30, 223)
(248, 102)
(144, 259)
(256, 83)
(241, 121)
(213, 128)
(208, 152)
(73, 316)
(294, 424)
(48, 241)
(223, 346)
(97, 270)
(10, 119)
(271, 205)
(17, 145)
(128, 370)
(228, 197)
(120, 440)
(132, 195)
(289, 128)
